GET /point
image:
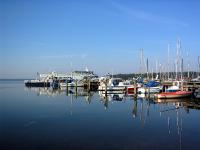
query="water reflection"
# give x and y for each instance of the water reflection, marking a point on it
(73, 114)
(119, 96)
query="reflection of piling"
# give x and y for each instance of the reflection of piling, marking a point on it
(106, 103)
(67, 92)
(135, 108)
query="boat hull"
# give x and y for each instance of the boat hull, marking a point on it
(143, 90)
(37, 84)
(179, 94)
(111, 88)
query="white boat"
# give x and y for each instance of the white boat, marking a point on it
(196, 79)
(151, 87)
(144, 90)
(70, 83)
(113, 84)
(173, 88)
(81, 75)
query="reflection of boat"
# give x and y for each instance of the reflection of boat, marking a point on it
(178, 94)
(114, 96)
(171, 100)
(47, 91)
(197, 93)
(58, 91)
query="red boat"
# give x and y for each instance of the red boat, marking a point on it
(131, 90)
(177, 94)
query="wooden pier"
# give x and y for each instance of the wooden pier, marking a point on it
(191, 86)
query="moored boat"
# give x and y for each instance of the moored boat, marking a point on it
(177, 94)
(112, 84)
(150, 87)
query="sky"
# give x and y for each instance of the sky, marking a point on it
(102, 35)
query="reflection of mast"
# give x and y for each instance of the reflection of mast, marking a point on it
(169, 125)
(179, 128)
(105, 102)
(88, 98)
(148, 107)
(178, 121)
(71, 103)
(134, 112)
(142, 113)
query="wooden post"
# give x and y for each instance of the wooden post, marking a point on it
(59, 83)
(148, 92)
(76, 85)
(135, 87)
(89, 86)
(106, 88)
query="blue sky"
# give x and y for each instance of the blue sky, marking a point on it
(104, 35)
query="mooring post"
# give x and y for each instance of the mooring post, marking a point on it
(89, 86)
(106, 88)
(76, 85)
(135, 88)
(148, 92)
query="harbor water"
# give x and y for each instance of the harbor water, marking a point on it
(45, 118)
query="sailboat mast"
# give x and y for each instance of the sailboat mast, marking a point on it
(156, 67)
(188, 65)
(141, 62)
(147, 69)
(199, 64)
(181, 69)
(177, 60)
(168, 62)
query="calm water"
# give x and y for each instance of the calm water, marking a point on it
(39, 118)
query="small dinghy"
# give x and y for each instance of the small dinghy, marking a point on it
(177, 94)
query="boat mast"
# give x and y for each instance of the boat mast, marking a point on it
(188, 66)
(181, 69)
(168, 62)
(180, 60)
(199, 64)
(147, 69)
(141, 61)
(156, 68)
(177, 57)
